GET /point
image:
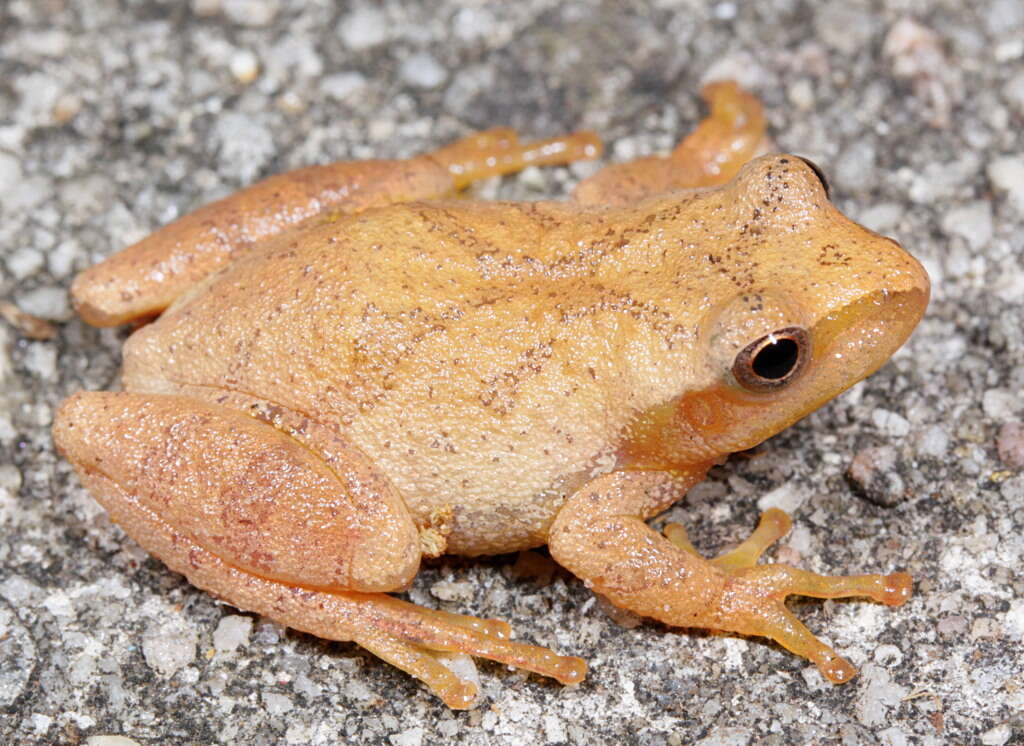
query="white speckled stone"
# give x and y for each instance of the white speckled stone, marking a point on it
(971, 222)
(232, 632)
(364, 27)
(254, 13)
(1007, 175)
(422, 70)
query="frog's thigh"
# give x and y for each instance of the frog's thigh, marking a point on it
(600, 536)
(242, 490)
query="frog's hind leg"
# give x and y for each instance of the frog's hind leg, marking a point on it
(731, 134)
(143, 279)
(600, 536)
(498, 151)
(401, 633)
(250, 514)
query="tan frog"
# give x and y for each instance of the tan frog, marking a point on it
(353, 370)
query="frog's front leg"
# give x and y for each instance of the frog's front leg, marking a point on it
(145, 278)
(250, 514)
(600, 536)
(731, 134)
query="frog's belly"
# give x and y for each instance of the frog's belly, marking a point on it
(492, 507)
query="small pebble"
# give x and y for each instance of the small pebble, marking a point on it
(423, 71)
(232, 632)
(1013, 91)
(29, 326)
(725, 11)
(61, 260)
(845, 26)
(1000, 404)
(888, 655)
(1008, 50)
(363, 28)
(41, 361)
(10, 175)
(856, 169)
(933, 442)
(1014, 619)
(110, 741)
(883, 217)
(66, 108)
(1004, 16)
(997, 736)
(1007, 175)
(50, 303)
(971, 222)
(245, 145)
(277, 704)
(890, 423)
(873, 473)
(952, 626)
(801, 94)
(878, 695)
(787, 497)
(253, 13)
(1010, 444)
(343, 86)
(168, 648)
(410, 737)
(24, 262)
(47, 42)
(473, 23)
(447, 590)
(244, 65)
(206, 8)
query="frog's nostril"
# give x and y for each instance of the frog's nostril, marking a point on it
(819, 173)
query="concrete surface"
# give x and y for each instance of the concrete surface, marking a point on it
(117, 116)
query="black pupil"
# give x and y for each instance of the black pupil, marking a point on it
(776, 360)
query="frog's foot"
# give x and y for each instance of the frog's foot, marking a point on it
(728, 137)
(498, 151)
(731, 134)
(764, 589)
(410, 638)
(600, 536)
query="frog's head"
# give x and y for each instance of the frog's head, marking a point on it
(807, 303)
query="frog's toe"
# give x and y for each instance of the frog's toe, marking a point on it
(458, 692)
(483, 638)
(773, 526)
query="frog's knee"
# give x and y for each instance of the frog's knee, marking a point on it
(386, 565)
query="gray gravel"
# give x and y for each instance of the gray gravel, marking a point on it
(116, 117)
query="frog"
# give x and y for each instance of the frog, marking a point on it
(344, 370)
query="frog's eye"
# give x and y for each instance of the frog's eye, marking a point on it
(820, 174)
(772, 361)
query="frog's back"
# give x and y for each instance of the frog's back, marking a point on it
(342, 314)
(474, 334)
